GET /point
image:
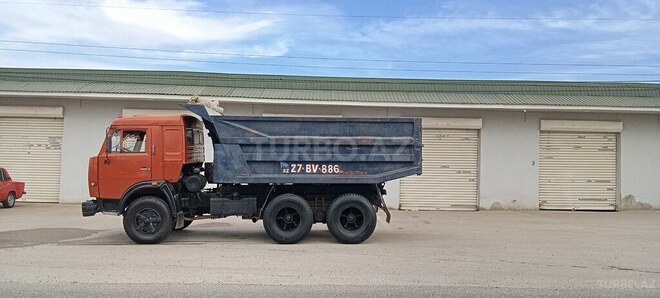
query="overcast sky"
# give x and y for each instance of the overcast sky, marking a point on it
(605, 37)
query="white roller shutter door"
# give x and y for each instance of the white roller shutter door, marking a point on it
(31, 150)
(450, 172)
(577, 170)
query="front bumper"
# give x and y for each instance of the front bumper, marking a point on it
(89, 208)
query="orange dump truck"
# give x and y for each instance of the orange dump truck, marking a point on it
(290, 172)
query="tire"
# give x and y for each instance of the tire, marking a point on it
(11, 200)
(288, 218)
(148, 220)
(351, 218)
(186, 223)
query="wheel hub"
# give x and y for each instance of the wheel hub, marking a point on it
(287, 218)
(147, 221)
(351, 218)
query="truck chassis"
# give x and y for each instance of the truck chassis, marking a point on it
(287, 211)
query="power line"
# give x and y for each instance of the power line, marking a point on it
(263, 13)
(239, 77)
(324, 58)
(324, 66)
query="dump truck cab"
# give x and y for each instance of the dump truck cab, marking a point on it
(140, 154)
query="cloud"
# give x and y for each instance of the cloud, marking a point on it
(112, 23)
(180, 26)
(172, 25)
(630, 10)
(631, 40)
(501, 37)
(168, 24)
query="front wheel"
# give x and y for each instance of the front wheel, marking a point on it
(148, 220)
(11, 200)
(288, 219)
(351, 218)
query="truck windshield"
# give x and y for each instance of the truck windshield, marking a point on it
(128, 141)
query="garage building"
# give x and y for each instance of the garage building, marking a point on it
(487, 144)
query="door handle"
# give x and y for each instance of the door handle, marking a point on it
(144, 169)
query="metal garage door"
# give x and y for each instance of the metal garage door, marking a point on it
(31, 150)
(450, 171)
(577, 170)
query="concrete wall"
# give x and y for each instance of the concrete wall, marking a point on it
(508, 150)
(509, 155)
(640, 161)
(509, 161)
(84, 128)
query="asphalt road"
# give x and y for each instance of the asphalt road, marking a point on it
(51, 250)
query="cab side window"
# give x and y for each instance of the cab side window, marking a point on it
(190, 137)
(128, 141)
(2, 175)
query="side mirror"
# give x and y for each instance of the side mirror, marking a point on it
(108, 144)
(108, 148)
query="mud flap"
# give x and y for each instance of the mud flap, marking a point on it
(179, 220)
(383, 206)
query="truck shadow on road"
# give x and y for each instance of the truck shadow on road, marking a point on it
(197, 236)
(40, 236)
(207, 233)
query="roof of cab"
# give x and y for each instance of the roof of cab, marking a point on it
(149, 120)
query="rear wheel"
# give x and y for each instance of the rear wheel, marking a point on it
(11, 200)
(288, 219)
(148, 220)
(351, 218)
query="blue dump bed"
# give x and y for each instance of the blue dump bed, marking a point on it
(256, 149)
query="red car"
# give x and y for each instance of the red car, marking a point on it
(10, 190)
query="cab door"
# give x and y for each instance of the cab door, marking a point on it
(127, 161)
